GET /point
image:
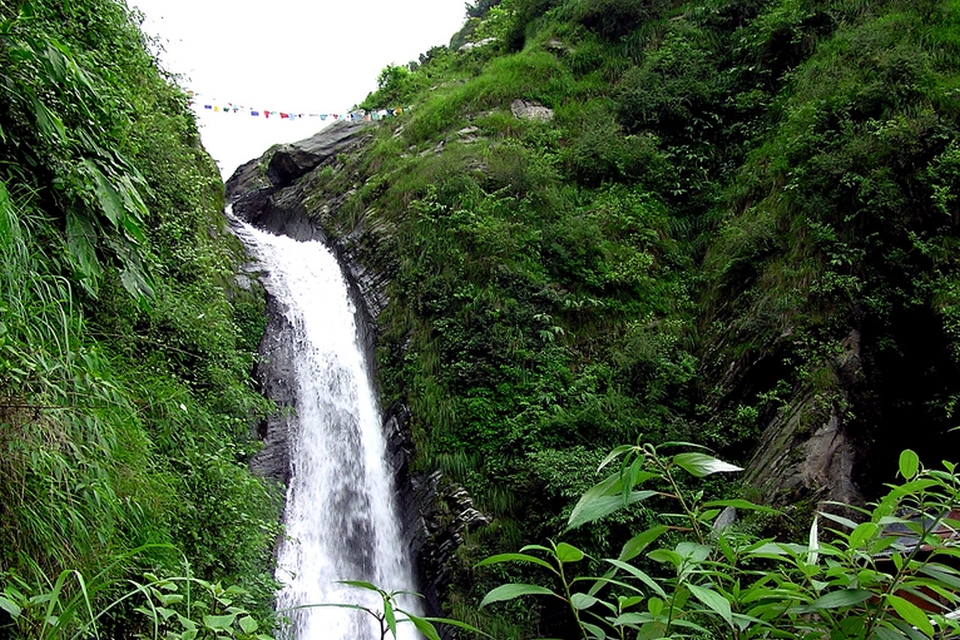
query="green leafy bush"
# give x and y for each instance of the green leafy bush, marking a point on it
(887, 576)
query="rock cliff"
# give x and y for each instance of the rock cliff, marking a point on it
(269, 192)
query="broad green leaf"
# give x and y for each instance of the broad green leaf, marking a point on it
(634, 475)
(248, 624)
(813, 541)
(613, 455)
(838, 599)
(708, 515)
(632, 619)
(863, 532)
(111, 202)
(651, 631)
(666, 556)
(886, 633)
(515, 557)
(912, 487)
(536, 547)
(943, 574)
(638, 543)
(693, 551)
(682, 443)
(640, 575)
(189, 634)
(767, 548)
(150, 613)
(655, 606)
(726, 549)
(389, 616)
(595, 631)
(48, 122)
(81, 238)
(424, 627)
(911, 613)
(568, 553)
(846, 522)
(219, 623)
(897, 558)
(593, 507)
(909, 464)
(582, 601)
(136, 282)
(514, 590)
(361, 584)
(625, 602)
(701, 465)
(906, 629)
(10, 607)
(186, 622)
(738, 503)
(713, 600)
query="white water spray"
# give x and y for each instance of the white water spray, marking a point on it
(340, 515)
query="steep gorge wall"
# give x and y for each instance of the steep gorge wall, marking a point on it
(269, 193)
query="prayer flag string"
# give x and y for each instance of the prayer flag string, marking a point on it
(359, 115)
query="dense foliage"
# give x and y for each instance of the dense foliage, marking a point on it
(739, 228)
(126, 346)
(887, 572)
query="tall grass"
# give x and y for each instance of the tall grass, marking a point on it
(62, 451)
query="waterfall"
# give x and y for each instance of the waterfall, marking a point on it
(341, 517)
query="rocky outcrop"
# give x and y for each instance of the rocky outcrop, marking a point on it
(284, 164)
(531, 111)
(276, 373)
(266, 192)
(806, 453)
(270, 193)
(436, 513)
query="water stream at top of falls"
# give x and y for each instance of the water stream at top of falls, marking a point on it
(341, 516)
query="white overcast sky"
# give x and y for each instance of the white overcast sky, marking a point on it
(298, 56)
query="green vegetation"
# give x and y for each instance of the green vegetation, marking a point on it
(126, 405)
(741, 219)
(885, 572)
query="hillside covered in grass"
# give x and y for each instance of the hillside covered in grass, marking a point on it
(732, 223)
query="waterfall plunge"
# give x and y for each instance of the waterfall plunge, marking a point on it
(340, 516)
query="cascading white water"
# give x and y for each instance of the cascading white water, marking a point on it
(340, 514)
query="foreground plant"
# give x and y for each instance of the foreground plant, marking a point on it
(174, 608)
(885, 577)
(391, 615)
